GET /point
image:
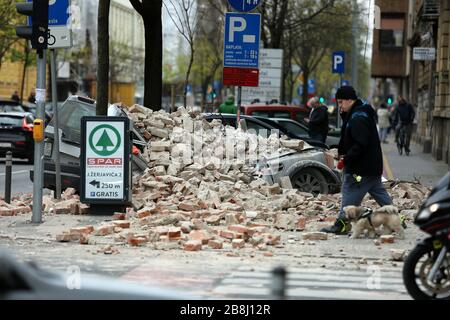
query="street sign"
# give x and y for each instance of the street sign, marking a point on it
(242, 37)
(338, 62)
(105, 160)
(244, 5)
(270, 74)
(311, 86)
(59, 33)
(421, 54)
(243, 77)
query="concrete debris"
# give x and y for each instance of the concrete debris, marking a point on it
(398, 255)
(202, 187)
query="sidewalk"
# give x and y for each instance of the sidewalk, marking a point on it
(416, 166)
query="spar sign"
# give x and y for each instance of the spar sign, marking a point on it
(105, 160)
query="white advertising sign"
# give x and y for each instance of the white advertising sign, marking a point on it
(105, 160)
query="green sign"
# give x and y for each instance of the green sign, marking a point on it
(104, 145)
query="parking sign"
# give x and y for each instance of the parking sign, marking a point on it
(242, 37)
(338, 62)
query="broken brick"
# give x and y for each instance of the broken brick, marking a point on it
(193, 245)
(238, 243)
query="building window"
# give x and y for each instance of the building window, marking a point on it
(392, 33)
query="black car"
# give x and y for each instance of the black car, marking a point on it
(261, 123)
(16, 134)
(7, 105)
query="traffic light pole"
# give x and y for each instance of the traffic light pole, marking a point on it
(39, 145)
(56, 124)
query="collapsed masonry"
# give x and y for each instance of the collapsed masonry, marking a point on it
(201, 188)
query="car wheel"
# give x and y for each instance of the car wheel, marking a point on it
(310, 180)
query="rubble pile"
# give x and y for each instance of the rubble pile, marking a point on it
(202, 190)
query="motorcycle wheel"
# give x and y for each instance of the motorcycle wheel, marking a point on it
(417, 266)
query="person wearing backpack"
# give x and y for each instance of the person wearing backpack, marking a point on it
(360, 156)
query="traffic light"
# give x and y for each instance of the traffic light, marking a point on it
(390, 100)
(214, 94)
(37, 10)
(322, 100)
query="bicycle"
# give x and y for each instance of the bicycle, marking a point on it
(401, 142)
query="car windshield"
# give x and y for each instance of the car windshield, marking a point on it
(293, 127)
(10, 121)
(11, 108)
(70, 119)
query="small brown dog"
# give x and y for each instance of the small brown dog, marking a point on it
(367, 219)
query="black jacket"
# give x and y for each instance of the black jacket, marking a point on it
(318, 122)
(360, 143)
(404, 114)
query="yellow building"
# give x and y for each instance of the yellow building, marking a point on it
(11, 74)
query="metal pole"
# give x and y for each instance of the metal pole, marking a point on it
(355, 53)
(39, 146)
(279, 283)
(239, 98)
(338, 111)
(55, 124)
(8, 171)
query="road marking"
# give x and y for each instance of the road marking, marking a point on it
(387, 168)
(316, 283)
(16, 172)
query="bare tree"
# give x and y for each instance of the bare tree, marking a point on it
(184, 15)
(150, 11)
(103, 57)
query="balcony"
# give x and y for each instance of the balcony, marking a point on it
(430, 10)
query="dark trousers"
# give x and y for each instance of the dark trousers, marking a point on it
(353, 192)
(408, 133)
(317, 136)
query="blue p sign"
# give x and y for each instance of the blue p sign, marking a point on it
(338, 62)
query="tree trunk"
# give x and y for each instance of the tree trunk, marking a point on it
(152, 11)
(103, 57)
(188, 73)
(305, 87)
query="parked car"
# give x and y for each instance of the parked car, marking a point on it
(276, 111)
(32, 108)
(311, 170)
(7, 105)
(16, 134)
(294, 127)
(261, 123)
(70, 114)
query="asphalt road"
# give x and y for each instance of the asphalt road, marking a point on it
(21, 182)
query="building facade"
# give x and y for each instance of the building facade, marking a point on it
(430, 81)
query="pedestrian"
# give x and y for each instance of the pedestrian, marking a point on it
(360, 157)
(15, 96)
(404, 117)
(383, 122)
(228, 106)
(318, 120)
(32, 97)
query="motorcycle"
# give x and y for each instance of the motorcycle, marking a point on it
(426, 271)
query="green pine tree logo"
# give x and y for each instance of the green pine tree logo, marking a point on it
(105, 146)
(104, 141)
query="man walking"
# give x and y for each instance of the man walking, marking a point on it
(318, 120)
(404, 117)
(360, 156)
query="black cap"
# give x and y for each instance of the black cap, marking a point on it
(346, 93)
